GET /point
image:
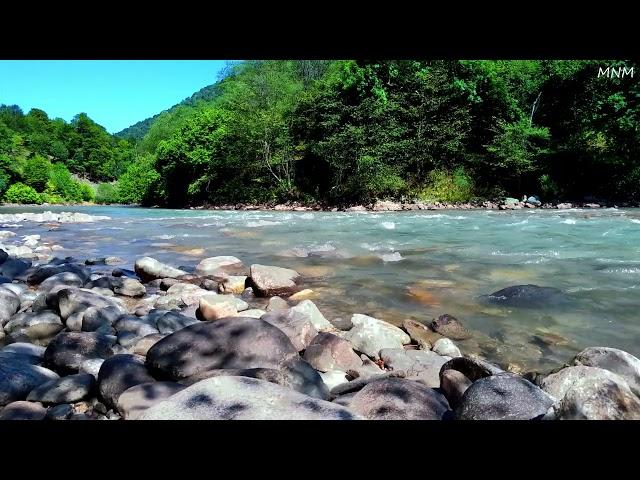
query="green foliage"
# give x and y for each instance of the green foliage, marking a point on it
(21, 193)
(36, 172)
(106, 193)
(451, 187)
(139, 182)
(549, 188)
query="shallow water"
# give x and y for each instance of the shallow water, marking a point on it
(397, 265)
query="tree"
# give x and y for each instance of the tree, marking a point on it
(36, 172)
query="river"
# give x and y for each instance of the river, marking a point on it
(419, 265)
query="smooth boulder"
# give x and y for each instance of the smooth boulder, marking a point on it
(70, 389)
(68, 350)
(148, 269)
(37, 327)
(213, 265)
(268, 281)
(296, 326)
(9, 305)
(370, 335)
(329, 352)
(526, 296)
(614, 360)
(22, 410)
(421, 365)
(135, 400)
(118, 373)
(243, 398)
(450, 327)
(18, 378)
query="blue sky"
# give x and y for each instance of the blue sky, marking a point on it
(114, 93)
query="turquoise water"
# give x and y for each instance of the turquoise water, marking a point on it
(419, 265)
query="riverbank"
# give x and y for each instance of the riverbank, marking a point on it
(99, 338)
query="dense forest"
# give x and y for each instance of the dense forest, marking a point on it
(346, 132)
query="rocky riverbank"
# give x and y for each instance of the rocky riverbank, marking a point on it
(391, 206)
(97, 339)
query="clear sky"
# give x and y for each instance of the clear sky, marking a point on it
(114, 93)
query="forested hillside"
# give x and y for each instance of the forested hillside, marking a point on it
(353, 131)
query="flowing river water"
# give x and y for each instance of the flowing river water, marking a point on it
(416, 264)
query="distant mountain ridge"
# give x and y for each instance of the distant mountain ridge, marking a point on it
(140, 129)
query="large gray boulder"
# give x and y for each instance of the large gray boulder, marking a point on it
(235, 342)
(268, 281)
(503, 397)
(243, 398)
(70, 389)
(76, 300)
(399, 399)
(41, 273)
(67, 279)
(9, 305)
(66, 352)
(22, 410)
(421, 365)
(18, 378)
(614, 360)
(128, 287)
(558, 384)
(37, 328)
(370, 335)
(148, 269)
(135, 400)
(118, 373)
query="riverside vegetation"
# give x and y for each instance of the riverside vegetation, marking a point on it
(347, 132)
(89, 338)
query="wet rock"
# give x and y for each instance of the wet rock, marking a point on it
(22, 410)
(129, 287)
(421, 334)
(38, 328)
(41, 273)
(267, 281)
(301, 295)
(421, 365)
(597, 397)
(18, 378)
(503, 397)
(233, 284)
(235, 342)
(148, 269)
(472, 368)
(64, 411)
(13, 267)
(75, 300)
(614, 360)
(118, 373)
(329, 352)
(172, 322)
(9, 305)
(370, 335)
(242, 398)
(399, 399)
(67, 279)
(450, 327)
(142, 346)
(454, 384)
(68, 350)
(296, 326)
(447, 348)
(212, 265)
(123, 272)
(527, 296)
(135, 400)
(277, 303)
(70, 389)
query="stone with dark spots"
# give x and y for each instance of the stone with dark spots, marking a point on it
(96, 318)
(503, 397)
(399, 399)
(119, 373)
(140, 326)
(242, 398)
(74, 300)
(527, 296)
(66, 352)
(22, 410)
(450, 327)
(135, 400)
(69, 389)
(142, 346)
(614, 360)
(472, 368)
(128, 287)
(235, 342)
(18, 378)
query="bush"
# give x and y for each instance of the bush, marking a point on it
(36, 172)
(444, 186)
(138, 182)
(106, 193)
(86, 192)
(549, 188)
(21, 193)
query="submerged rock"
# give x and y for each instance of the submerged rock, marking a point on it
(213, 265)
(527, 296)
(450, 327)
(242, 398)
(421, 334)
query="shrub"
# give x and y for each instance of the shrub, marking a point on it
(86, 192)
(106, 193)
(549, 188)
(21, 193)
(444, 186)
(138, 182)
(36, 172)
